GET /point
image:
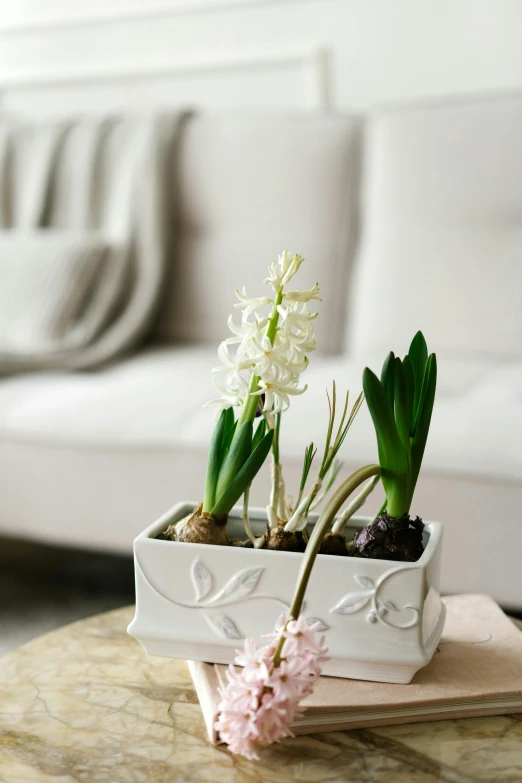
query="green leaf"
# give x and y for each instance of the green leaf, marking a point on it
(259, 433)
(331, 418)
(420, 405)
(309, 455)
(239, 451)
(244, 477)
(228, 432)
(424, 419)
(418, 354)
(393, 457)
(387, 378)
(403, 406)
(214, 461)
(342, 432)
(409, 377)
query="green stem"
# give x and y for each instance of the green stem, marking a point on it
(321, 528)
(298, 499)
(248, 412)
(397, 508)
(275, 443)
(319, 531)
(246, 518)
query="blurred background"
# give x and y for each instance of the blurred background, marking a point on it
(157, 154)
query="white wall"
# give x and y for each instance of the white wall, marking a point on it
(65, 55)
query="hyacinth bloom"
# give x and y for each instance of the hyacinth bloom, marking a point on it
(263, 698)
(273, 348)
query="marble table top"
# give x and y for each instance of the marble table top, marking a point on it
(84, 704)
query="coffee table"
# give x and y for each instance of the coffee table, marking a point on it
(84, 704)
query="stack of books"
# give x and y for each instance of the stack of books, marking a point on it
(476, 670)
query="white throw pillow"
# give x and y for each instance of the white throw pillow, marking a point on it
(47, 281)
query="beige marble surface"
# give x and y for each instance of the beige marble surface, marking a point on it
(85, 705)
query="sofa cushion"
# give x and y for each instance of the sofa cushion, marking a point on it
(47, 279)
(145, 401)
(251, 186)
(442, 237)
(106, 176)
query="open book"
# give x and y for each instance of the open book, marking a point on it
(476, 670)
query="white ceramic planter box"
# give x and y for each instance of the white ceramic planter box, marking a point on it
(382, 619)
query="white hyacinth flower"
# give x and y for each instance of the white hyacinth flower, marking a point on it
(282, 270)
(250, 328)
(303, 296)
(250, 303)
(277, 390)
(271, 346)
(279, 356)
(233, 392)
(297, 327)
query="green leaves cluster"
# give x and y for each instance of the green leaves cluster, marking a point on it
(234, 459)
(401, 404)
(309, 455)
(331, 449)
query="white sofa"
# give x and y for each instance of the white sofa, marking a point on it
(409, 218)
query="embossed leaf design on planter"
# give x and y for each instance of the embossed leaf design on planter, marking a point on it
(352, 602)
(201, 579)
(321, 625)
(365, 581)
(239, 586)
(223, 624)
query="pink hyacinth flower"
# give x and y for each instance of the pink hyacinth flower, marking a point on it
(261, 700)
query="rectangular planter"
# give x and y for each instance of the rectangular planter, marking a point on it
(382, 620)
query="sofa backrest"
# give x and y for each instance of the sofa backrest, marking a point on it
(249, 187)
(441, 245)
